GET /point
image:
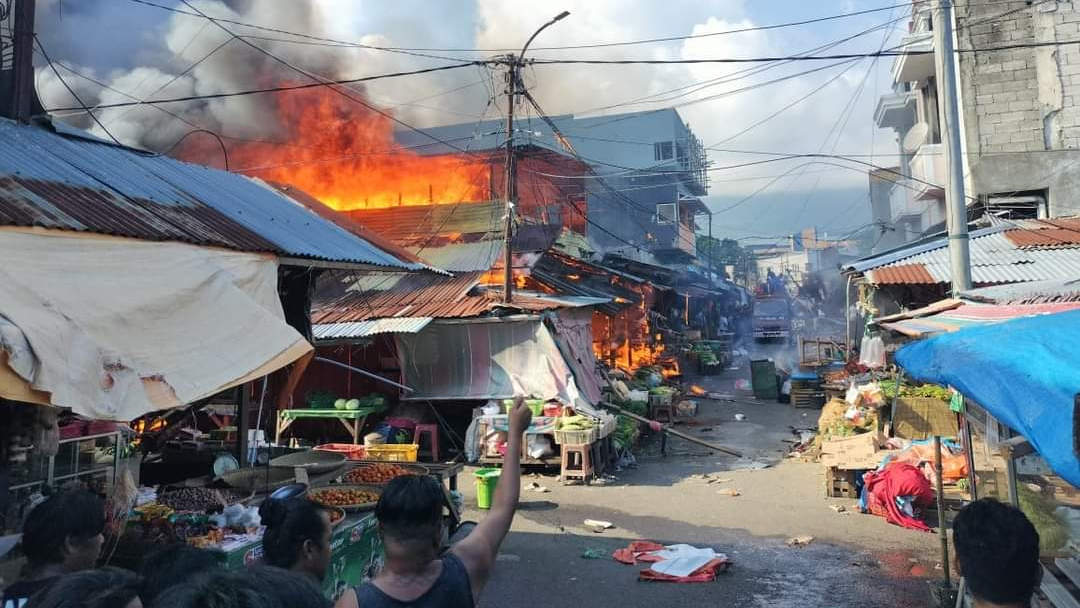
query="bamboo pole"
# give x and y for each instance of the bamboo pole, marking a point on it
(943, 532)
(673, 432)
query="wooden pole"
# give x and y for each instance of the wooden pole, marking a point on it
(673, 432)
(943, 531)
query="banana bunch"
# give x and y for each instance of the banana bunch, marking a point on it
(576, 423)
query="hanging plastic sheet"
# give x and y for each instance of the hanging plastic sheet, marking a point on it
(1024, 372)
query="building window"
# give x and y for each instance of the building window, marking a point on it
(667, 213)
(663, 150)
(1029, 205)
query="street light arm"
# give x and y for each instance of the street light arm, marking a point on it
(557, 18)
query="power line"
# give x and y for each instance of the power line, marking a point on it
(766, 59)
(72, 91)
(320, 83)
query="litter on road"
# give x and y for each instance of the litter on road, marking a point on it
(674, 563)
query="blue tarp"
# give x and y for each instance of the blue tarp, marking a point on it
(1024, 372)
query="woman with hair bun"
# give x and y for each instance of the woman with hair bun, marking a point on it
(297, 536)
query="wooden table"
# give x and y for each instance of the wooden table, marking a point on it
(352, 420)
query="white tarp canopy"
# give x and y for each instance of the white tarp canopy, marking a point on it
(115, 328)
(487, 359)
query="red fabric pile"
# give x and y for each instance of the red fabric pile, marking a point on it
(641, 551)
(898, 479)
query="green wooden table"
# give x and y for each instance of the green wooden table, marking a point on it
(356, 554)
(352, 420)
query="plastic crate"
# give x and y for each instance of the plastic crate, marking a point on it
(393, 452)
(350, 450)
(584, 437)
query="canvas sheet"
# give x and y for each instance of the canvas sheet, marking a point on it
(486, 360)
(1024, 372)
(115, 328)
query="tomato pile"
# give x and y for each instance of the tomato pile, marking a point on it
(376, 473)
(332, 497)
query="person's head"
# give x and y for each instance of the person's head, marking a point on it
(101, 588)
(173, 565)
(257, 587)
(997, 551)
(297, 535)
(65, 531)
(410, 514)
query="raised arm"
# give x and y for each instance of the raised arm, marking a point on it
(479, 549)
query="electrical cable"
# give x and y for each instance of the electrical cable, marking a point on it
(320, 83)
(72, 91)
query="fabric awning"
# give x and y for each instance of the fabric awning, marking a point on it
(1024, 372)
(115, 328)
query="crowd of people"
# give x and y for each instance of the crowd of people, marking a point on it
(997, 551)
(63, 538)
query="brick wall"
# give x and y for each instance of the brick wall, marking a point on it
(1002, 105)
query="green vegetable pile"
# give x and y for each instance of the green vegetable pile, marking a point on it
(929, 391)
(1053, 532)
(576, 423)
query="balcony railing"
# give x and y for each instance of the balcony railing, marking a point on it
(929, 171)
(908, 68)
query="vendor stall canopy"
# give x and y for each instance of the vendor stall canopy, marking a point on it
(953, 315)
(54, 176)
(1024, 372)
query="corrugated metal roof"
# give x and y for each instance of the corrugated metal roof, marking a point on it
(427, 295)
(968, 314)
(1049, 237)
(462, 257)
(363, 329)
(413, 225)
(69, 182)
(996, 258)
(1036, 292)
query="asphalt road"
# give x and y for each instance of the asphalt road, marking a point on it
(854, 561)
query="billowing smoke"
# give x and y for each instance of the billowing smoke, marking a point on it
(170, 55)
(149, 53)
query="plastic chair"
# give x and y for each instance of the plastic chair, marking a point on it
(432, 431)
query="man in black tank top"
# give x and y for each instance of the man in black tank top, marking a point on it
(410, 514)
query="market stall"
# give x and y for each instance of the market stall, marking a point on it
(1019, 412)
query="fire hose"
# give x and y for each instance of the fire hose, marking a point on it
(670, 431)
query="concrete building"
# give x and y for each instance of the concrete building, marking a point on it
(649, 174)
(1020, 120)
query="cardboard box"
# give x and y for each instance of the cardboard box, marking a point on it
(855, 452)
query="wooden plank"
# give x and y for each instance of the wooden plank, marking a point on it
(1059, 596)
(1070, 568)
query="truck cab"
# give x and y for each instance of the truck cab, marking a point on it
(772, 318)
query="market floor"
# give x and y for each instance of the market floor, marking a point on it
(854, 561)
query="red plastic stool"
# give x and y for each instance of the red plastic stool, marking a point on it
(432, 431)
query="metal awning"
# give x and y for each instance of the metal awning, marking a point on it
(363, 329)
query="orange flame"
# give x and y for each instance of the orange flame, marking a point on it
(697, 390)
(344, 155)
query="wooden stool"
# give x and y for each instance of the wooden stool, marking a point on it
(432, 431)
(577, 463)
(667, 410)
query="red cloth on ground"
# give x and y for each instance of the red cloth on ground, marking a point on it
(704, 574)
(898, 479)
(639, 551)
(633, 553)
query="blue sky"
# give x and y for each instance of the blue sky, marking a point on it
(137, 49)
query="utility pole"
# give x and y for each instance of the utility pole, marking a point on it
(514, 87)
(712, 252)
(19, 97)
(510, 190)
(955, 198)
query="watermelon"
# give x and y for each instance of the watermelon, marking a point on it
(352, 404)
(339, 404)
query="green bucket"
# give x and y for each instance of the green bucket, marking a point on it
(486, 480)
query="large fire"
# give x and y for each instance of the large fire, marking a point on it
(344, 154)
